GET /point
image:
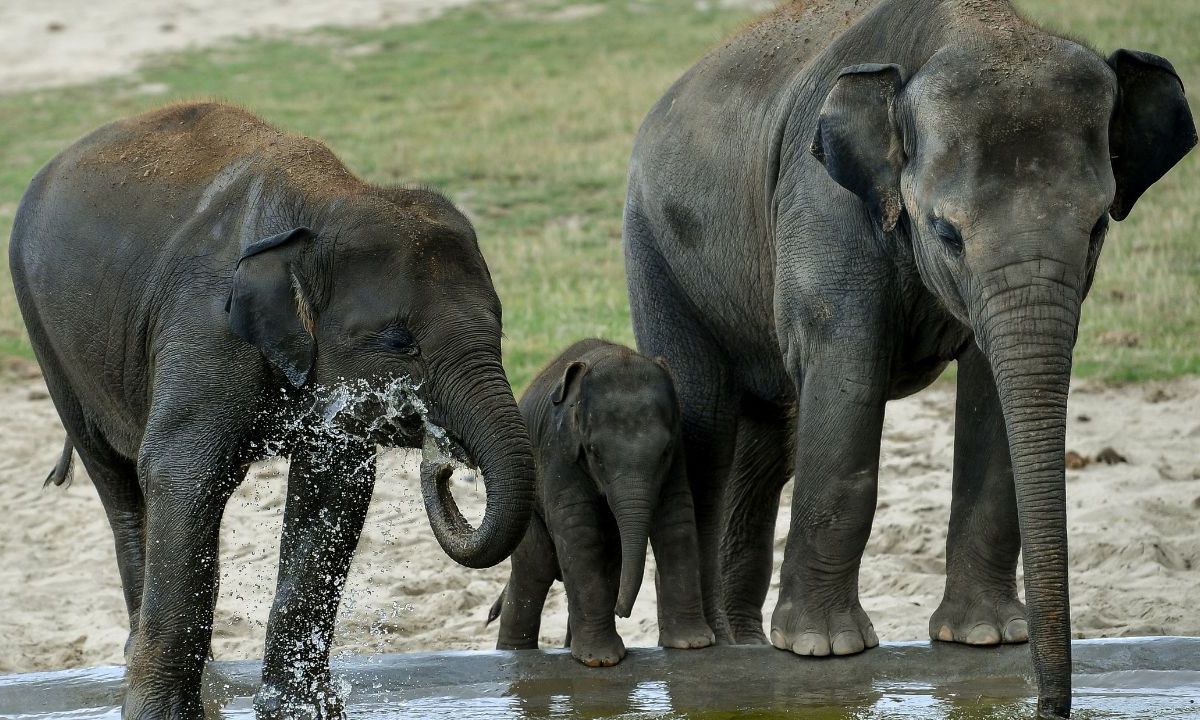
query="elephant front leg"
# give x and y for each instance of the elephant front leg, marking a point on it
(166, 656)
(328, 497)
(681, 622)
(534, 568)
(839, 427)
(980, 605)
(590, 570)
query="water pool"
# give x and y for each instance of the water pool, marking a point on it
(1127, 678)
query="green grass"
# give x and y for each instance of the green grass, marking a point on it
(527, 124)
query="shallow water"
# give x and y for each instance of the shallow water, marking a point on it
(652, 700)
(1146, 678)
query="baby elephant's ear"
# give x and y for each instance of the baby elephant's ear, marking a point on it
(570, 376)
(1152, 128)
(267, 307)
(857, 140)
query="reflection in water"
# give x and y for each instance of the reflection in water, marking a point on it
(680, 696)
(652, 697)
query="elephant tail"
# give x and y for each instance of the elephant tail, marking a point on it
(494, 611)
(61, 474)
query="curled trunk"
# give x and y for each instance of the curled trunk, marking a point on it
(477, 409)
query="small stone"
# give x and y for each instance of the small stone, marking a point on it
(1075, 461)
(1083, 418)
(1109, 456)
(1157, 395)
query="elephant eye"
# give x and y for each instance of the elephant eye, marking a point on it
(400, 340)
(948, 234)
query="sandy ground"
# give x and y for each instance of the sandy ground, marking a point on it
(1134, 529)
(61, 42)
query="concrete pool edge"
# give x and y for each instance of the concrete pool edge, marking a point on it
(713, 672)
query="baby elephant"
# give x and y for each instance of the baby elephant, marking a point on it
(605, 426)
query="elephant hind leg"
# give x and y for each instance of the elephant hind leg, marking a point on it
(114, 476)
(116, 482)
(761, 467)
(534, 569)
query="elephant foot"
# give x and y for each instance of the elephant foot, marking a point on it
(719, 623)
(821, 631)
(142, 705)
(320, 700)
(747, 630)
(685, 633)
(981, 619)
(598, 651)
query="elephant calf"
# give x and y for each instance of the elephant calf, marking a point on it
(202, 290)
(604, 422)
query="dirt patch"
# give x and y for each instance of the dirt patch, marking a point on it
(63, 42)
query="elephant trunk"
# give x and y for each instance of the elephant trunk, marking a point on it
(633, 506)
(1028, 338)
(475, 405)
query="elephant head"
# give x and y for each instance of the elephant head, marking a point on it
(406, 294)
(997, 165)
(625, 417)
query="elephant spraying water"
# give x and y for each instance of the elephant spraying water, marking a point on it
(202, 290)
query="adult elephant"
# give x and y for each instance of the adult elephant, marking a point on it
(202, 290)
(822, 214)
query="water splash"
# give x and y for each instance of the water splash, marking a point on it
(324, 420)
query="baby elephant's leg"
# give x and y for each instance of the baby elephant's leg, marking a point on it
(534, 568)
(591, 575)
(681, 622)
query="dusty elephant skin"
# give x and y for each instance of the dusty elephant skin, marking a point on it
(821, 215)
(604, 422)
(196, 284)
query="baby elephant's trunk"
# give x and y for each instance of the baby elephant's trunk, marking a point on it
(633, 506)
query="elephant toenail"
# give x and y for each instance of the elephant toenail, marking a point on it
(778, 640)
(945, 635)
(872, 638)
(848, 642)
(1016, 631)
(983, 634)
(811, 643)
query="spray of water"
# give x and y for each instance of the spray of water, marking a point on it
(328, 418)
(325, 421)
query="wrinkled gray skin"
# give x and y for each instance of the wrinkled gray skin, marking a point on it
(821, 215)
(604, 422)
(169, 361)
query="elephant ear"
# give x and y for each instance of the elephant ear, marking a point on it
(1152, 128)
(267, 307)
(857, 140)
(570, 376)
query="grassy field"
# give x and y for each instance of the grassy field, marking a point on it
(527, 121)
